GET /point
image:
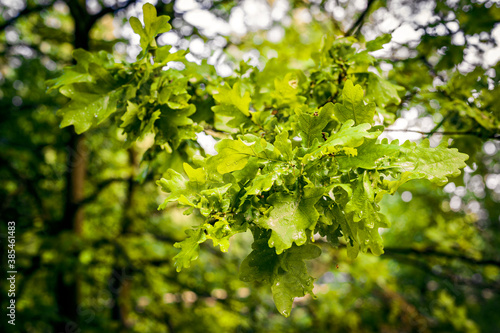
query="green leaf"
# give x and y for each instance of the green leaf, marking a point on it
(179, 189)
(284, 145)
(367, 238)
(189, 248)
(381, 91)
(362, 206)
(131, 115)
(362, 234)
(485, 118)
(153, 25)
(234, 154)
(91, 88)
(292, 279)
(286, 91)
(80, 72)
(215, 200)
(262, 183)
(348, 229)
(412, 160)
(147, 126)
(353, 107)
(87, 107)
(232, 97)
(310, 125)
(347, 136)
(221, 231)
(260, 264)
(287, 273)
(163, 55)
(332, 233)
(232, 110)
(175, 126)
(377, 43)
(101, 76)
(196, 176)
(291, 216)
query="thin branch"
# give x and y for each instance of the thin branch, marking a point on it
(433, 253)
(209, 130)
(431, 68)
(25, 12)
(495, 136)
(333, 98)
(29, 185)
(429, 252)
(360, 21)
(330, 99)
(457, 279)
(440, 124)
(109, 10)
(404, 255)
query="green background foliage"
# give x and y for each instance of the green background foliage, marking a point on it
(309, 215)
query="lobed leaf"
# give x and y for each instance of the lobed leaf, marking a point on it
(153, 25)
(353, 107)
(412, 160)
(286, 273)
(310, 125)
(189, 248)
(291, 217)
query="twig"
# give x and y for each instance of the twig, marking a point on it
(29, 185)
(456, 279)
(330, 99)
(26, 11)
(434, 253)
(360, 21)
(209, 130)
(495, 136)
(439, 125)
(109, 10)
(429, 252)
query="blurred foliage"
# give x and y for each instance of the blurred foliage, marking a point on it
(440, 270)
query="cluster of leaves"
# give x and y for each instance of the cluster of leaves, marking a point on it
(142, 96)
(286, 191)
(300, 158)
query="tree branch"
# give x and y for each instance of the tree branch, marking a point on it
(29, 185)
(432, 252)
(405, 255)
(210, 130)
(360, 21)
(457, 279)
(330, 99)
(108, 10)
(495, 136)
(25, 12)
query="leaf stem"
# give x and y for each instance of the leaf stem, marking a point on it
(495, 136)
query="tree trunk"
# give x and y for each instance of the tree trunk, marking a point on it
(119, 281)
(67, 285)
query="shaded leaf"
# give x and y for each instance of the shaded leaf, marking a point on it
(189, 248)
(353, 107)
(291, 216)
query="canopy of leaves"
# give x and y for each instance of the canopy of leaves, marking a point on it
(294, 192)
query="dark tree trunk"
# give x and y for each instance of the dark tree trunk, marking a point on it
(119, 281)
(67, 288)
